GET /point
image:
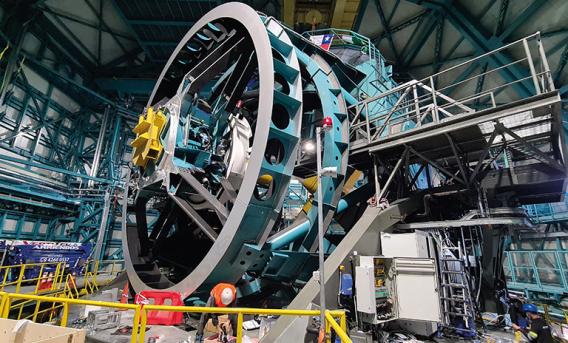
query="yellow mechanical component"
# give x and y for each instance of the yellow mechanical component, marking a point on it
(147, 144)
(307, 206)
(350, 183)
(311, 184)
(265, 180)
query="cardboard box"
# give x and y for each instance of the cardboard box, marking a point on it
(209, 328)
(25, 331)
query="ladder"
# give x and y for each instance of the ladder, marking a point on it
(456, 299)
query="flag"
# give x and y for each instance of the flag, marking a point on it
(326, 42)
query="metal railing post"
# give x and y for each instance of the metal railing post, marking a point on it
(65, 314)
(343, 323)
(436, 115)
(39, 279)
(366, 115)
(136, 324)
(417, 106)
(239, 327)
(561, 268)
(56, 277)
(535, 269)
(511, 267)
(20, 277)
(544, 62)
(327, 330)
(531, 66)
(36, 309)
(6, 307)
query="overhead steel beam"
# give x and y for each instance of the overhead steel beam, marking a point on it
(104, 25)
(471, 30)
(82, 21)
(438, 44)
(44, 25)
(419, 37)
(401, 26)
(502, 14)
(126, 85)
(128, 23)
(130, 56)
(358, 19)
(469, 222)
(521, 19)
(154, 22)
(386, 28)
(561, 63)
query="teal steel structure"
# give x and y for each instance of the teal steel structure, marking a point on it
(48, 190)
(63, 144)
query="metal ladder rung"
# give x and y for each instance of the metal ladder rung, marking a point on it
(453, 299)
(455, 285)
(455, 314)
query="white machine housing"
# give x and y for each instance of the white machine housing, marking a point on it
(410, 286)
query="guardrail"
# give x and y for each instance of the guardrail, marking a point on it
(547, 213)
(51, 276)
(454, 92)
(540, 270)
(139, 321)
(60, 284)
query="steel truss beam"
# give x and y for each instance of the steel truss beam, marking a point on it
(470, 29)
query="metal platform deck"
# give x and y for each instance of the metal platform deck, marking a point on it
(507, 138)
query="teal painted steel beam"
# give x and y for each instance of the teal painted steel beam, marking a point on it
(401, 26)
(127, 23)
(126, 85)
(43, 25)
(55, 169)
(83, 21)
(362, 8)
(154, 22)
(521, 19)
(471, 30)
(386, 28)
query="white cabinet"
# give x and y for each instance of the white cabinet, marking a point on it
(417, 289)
(415, 244)
(396, 289)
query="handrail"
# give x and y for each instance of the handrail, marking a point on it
(339, 329)
(440, 96)
(6, 299)
(140, 313)
(15, 275)
(239, 312)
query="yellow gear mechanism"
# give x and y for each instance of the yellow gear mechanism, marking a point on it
(147, 144)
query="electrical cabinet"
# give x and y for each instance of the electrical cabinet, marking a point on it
(389, 289)
(414, 244)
